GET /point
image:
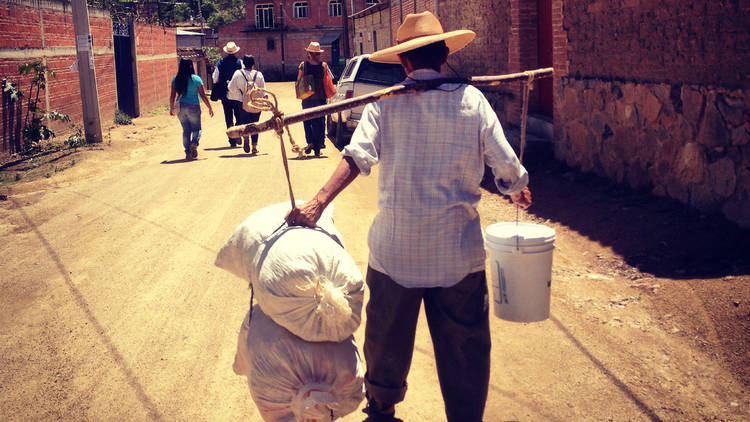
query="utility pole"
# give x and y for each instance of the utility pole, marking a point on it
(346, 29)
(283, 53)
(92, 126)
(200, 15)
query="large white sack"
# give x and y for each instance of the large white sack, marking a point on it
(302, 277)
(292, 380)
(310, 285)
(239, 254)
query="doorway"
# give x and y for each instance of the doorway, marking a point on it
(124, 68)
(544, 55)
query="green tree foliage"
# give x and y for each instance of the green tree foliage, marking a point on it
(35, 119)
(212, 54)
(147, 11)
(228, 11)
(213, 13)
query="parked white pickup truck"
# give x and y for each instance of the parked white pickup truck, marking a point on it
(360, 76)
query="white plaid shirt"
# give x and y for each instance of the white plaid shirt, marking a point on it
(432, 147)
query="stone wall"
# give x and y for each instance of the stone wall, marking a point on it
(657, 96)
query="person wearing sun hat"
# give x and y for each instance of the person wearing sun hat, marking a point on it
(315, 66)
(222, 74)
(426, 240)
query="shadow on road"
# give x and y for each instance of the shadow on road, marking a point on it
(220, 148)
(119, 359)
(656, 235)
(243, 155)
(308, 157)
(604, 370)
(183, 160)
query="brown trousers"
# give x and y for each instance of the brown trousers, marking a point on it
(458, 319)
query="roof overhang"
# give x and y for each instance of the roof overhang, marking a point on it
(328, 39)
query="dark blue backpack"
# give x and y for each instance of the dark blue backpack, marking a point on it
(227, 66)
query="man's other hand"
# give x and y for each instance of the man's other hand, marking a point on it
(522, 199)
(307, 214)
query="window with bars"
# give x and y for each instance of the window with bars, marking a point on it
(334, 8)
(264, 16)
(300, 9)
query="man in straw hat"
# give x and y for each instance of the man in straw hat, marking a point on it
(314, 67)
(225, 68)
(426, 240)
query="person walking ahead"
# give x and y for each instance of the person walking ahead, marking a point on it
(189, 86)
(237, 87)
(314, 128)
(222, 74)
(426, 240)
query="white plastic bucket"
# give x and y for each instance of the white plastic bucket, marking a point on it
(521, 269)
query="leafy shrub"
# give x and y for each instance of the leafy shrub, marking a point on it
(75, 140)
(35, 119)
(122, 118)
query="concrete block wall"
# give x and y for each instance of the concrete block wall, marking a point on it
(43, 30)
(656, 96)
(373, 32)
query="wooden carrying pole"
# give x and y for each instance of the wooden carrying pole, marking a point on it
(324, 110)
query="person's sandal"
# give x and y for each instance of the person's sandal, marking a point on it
(194, 151)
(375, 415)
(255, 150)
(246, 145)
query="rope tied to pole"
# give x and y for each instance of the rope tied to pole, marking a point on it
(259, 98)
(528, 86)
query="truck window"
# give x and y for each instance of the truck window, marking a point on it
(348, 71)
(380, 73)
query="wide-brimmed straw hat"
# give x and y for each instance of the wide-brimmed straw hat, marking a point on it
(231, 48)
(418, 30)
(314, 47)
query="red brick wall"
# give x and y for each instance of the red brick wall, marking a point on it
(702, 41)
(401, 8)
(317, 15)
(20, 26)
(22, 42)
(43, 30)
(156, 54)
(488, 54)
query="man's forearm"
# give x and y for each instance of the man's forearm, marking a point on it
(344, 174)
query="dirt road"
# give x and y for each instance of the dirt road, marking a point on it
(113, 309)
